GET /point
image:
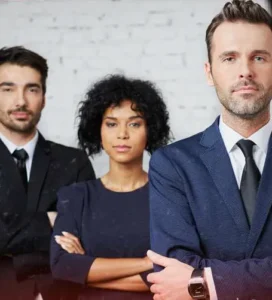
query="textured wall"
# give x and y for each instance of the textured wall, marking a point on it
(83, 40)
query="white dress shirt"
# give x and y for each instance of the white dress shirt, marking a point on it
(237, 158)
(28, 147)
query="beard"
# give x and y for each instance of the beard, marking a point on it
(246, 105)
(20, 126)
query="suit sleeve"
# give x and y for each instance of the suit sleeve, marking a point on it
(85, 171)
(174, 234)
(66, 266)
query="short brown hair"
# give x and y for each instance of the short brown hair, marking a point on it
(237, 10)
(23, 57)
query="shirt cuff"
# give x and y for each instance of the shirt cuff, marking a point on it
(210, 283)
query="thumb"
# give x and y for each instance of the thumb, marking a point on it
(158, 259)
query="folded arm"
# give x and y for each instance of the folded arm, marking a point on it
(174, 234)
(123, 273)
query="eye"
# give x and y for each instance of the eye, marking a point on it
(228, 59)
(259, 58)
(110, 124)
(135, 124)
(34, 90)
(6, 89)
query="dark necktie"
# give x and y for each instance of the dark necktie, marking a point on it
(21, 157)
(250, 178)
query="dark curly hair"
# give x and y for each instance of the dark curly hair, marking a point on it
(111, 91)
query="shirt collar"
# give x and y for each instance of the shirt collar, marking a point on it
(28, 147)
(231, 137)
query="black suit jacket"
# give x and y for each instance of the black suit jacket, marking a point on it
(25, 230)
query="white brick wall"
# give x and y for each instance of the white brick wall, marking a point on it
(83, 40)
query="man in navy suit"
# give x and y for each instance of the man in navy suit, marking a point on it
(211, 194)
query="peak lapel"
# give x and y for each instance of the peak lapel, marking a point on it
(38, 172)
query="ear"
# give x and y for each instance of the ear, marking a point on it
(208, 71)
(44, 101)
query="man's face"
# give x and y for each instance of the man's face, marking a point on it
(241, 68)
(21, 98)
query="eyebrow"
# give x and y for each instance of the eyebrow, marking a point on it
(7, 83)
(230, 53)
(264, 52)
(227, 53)
(130, 118)
(29, 85)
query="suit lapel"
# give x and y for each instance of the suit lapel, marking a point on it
(13, 196)
(263, 202)
(217, 161)
(40, 164)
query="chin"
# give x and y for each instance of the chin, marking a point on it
(22, 128)
(127, 160)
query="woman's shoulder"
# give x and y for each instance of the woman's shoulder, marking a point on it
(77, 193)
(80, 187)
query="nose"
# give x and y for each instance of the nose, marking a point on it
(20, 98)
(123, 132)
(245, 70)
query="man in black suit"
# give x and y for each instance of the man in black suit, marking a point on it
(32, 169)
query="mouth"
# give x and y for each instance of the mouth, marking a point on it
(122, 148)
(245, 89)
(20, 115)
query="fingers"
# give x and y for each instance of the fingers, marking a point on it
(70, 243)
(68, 248)
(156, 288)
(73, 238)
(72, 246)
(69, 235)
(158, 259)
(157, 297)
(154, 277)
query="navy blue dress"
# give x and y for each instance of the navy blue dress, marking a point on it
(109, 224)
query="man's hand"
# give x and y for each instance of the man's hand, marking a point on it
(70, 243)
(52, 217)
(172, 282)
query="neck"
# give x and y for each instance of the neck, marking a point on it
(17, 138)
(125, 177)
(245, 127)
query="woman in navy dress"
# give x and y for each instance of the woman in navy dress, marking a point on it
(101, 233)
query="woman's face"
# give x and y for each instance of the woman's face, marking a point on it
(123, 133)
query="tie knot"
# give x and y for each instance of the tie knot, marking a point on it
(246, 146)
(20, 155)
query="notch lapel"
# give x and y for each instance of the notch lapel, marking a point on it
(38, 172)
(217, 161)
(263, 202)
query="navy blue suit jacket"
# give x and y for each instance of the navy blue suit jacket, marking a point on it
(197, 215)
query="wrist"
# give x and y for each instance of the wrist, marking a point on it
(197, 286)
(148, 263)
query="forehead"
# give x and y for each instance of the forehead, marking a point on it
(18, 74)
(123, 110)
(241, 37)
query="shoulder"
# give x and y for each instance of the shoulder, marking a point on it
(57, 148)
(79, 188)
(68, 155)
(183, 148)
(76, 194)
